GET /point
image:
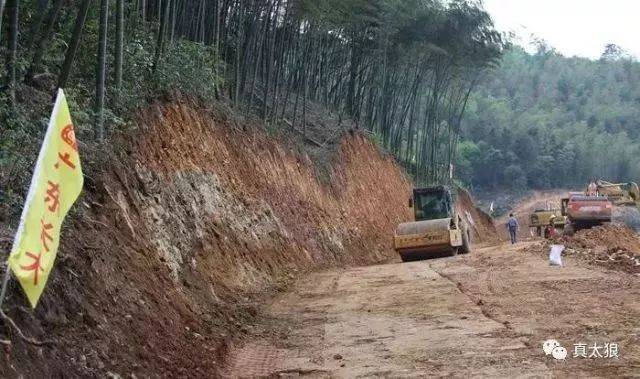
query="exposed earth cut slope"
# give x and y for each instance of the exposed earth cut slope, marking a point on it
(186, 226)
(482, 226)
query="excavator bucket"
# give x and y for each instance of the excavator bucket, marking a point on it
(620, 193)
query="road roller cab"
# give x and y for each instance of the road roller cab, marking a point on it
(437, 228)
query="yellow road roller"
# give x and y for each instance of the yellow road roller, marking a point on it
(437, 230)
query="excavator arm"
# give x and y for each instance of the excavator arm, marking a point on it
(620, 193)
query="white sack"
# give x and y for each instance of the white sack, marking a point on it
(555, 256)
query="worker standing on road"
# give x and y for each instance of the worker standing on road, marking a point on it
(592, 189)
(512, 226)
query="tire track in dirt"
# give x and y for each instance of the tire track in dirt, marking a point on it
(573, 304)
(481, 315)
(488, 278)
(398, 320)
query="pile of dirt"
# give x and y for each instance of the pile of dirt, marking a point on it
(482, 225)
(615, 236)
(193, 220)
(614, 246)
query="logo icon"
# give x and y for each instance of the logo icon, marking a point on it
(559, 353)
(553, 348)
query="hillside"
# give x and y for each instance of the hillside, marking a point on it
(242, 168)
(172, 244)
(547, 121)
(228, 148)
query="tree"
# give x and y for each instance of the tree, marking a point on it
(403, 70)
(613, 52)
(101, 70)
(36, 24)
(13, 49)
(161, 32)
(72, 50)
(2, 4)
(515, 177)
(119, 45)
(570, 118)
(44, 40)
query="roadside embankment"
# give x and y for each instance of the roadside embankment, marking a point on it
(482, 225)
(192, 219)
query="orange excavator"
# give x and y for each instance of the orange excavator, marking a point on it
(583, 211)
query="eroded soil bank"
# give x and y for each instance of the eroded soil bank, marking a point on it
(193, 219)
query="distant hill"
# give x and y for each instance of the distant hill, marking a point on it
(547, 121)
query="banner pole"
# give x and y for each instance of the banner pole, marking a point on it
(5, 284)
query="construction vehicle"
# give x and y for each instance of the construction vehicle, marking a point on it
(585, 211)
(437, 228)
(543, 214)
(620, 193)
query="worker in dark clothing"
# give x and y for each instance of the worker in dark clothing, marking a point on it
(512, 226)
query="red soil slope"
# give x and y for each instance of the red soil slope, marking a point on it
(186, 227)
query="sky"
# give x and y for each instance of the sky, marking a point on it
(574, 27)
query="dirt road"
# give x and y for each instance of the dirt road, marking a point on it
(482, 315)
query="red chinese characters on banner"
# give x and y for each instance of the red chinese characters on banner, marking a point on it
(69, 137)
(53, 196)
(45, 235)
(52, 202)
(66, 159)
(56, 184)
(36, 266)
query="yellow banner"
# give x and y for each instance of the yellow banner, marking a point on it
(55, 186)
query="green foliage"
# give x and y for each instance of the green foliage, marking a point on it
(555, 121)
(515, 176)
(400, 69)
(19, 137)
(191, 68)
(187, 67)
(468, 153)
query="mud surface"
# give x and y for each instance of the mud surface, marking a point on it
(482, 315)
